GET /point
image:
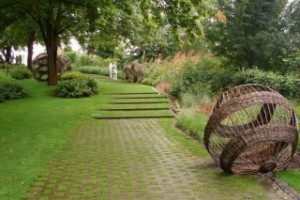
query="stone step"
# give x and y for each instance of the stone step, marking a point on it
(139, 102)
(132, 109)
(154, 97)
(134, 117)
(129, 93)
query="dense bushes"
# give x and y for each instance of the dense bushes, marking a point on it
(78, 60)
(77, 87)
(10, 90)
(3, 65)
(19, 72)
(16, 71)
(71, 75)
(98, 70)
(287, 85)
(94, 70)
(206, 76)
(201, 77)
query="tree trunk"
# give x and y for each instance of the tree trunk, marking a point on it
(7, 52)
(31, 37)
(51, 45)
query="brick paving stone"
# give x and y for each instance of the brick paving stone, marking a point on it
(128, 160)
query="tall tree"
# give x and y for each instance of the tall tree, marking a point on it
(252, 34)
(18, 31)
(291, 16)
(54, 18)
(149, 27)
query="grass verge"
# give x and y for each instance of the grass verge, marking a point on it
(292, 178)
(32, 130)
(192, 122)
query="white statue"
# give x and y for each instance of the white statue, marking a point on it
(113, 71)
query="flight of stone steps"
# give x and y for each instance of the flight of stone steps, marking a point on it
(131, 105)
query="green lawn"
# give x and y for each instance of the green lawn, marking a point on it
(292, 178)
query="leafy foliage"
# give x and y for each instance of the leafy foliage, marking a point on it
(72, 75)
(291, 17)
(252, 34)
(19, 72)
(288, 85)
(200, 77)
(94, 70)
(78, 87)
(10, 90)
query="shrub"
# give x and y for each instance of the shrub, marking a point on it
(78, 60)
(72, 55)
(71, 75)
(3, 65)
(9, 90)
(84, 60)
(189, 100)
(19, 72)
(94, 70)
(199, 77)
(153, 75)
(78, 87)
(287, 85)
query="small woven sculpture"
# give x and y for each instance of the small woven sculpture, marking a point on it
(252, 129)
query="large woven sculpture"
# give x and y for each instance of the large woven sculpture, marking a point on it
(40, 66)
(252, 129)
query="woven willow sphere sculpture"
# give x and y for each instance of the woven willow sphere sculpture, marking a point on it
(252, 129)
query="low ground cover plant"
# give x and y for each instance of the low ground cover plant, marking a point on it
(19, 72)
(287, 85)
(99, 71)
(9, 89)
(94, 70)
(72, 75)
(76, 87)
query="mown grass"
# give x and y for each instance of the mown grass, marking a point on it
(292, 178)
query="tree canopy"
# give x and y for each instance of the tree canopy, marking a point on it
(253, 34)
(262, 33)
(103, 25)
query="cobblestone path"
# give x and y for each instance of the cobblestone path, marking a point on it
(128, 159)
